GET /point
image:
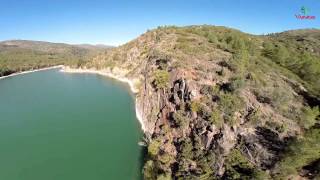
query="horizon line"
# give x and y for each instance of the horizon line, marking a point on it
(122, 43)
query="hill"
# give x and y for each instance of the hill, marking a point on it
(220, 103)
(21, 55)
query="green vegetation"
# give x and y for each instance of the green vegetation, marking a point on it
(229, 104)
(153, 148)
(186, 149)
(236, 83)
(282, 49)
(16, 56)
(309, 117)
(164, 177)
(268, 70)
(159, 167)
(149, 170)
(294, 57)
(195, 106)
(255, 89)
(216, 118)
(238, 167)
(180, 119)
(161, 79)
(254, 116)
(265, 82)
(301, 152)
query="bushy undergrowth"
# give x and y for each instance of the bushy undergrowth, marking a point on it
(301, 152)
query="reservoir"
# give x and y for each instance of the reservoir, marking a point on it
(60, 126)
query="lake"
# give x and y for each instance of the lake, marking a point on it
(60, 126)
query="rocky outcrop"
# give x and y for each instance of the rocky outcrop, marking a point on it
(208, 104)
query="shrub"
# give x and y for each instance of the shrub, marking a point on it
(164, 177)
(197, 146)
(281, 55)
(161, 79)
(254, 116)
(153, 147)
(309, 116)
(165, 129)
(162, 63)
(216, 118)
(229, 104)
(179, 119)
(238, 44)
(201, 109)
(212, 38)
(205, 111)
(149, 170)
(268, 50)
(165, 158)
(195, 106)
(235, 162)
(280, 98)
(301, 152)
(206, 90)
(186, 149)
(236, 83)
(238, 167)
(277, 126)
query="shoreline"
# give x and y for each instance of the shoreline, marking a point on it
(108, 74)
(31, 71)
(67, 69)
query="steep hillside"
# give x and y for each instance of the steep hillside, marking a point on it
(219, 103)
(20, 55)
(305, 39)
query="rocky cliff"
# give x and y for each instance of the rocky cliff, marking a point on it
(219, 103)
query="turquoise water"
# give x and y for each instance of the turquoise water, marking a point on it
(57, 126)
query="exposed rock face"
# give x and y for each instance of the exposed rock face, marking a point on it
(209, 111)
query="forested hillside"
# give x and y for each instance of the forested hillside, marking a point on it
(21, 55)
(217, 103)
(220, 103)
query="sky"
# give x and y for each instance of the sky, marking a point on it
(116, 22)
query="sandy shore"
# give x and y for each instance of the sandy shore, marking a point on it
(103, 73)
(25, 72)
(106, 73)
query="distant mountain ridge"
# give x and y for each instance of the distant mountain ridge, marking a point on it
(20, 55)
(43, 45)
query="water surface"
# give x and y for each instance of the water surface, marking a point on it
(57, 126)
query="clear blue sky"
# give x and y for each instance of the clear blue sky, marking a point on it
(118, 21)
